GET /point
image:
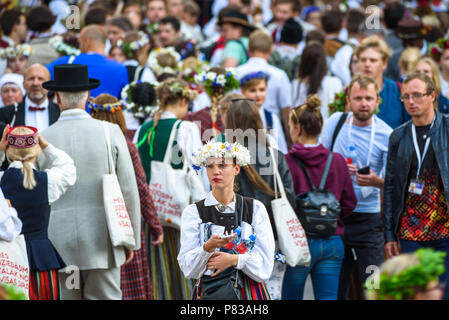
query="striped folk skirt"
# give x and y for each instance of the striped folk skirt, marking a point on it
(44, 285)
(169, 282)
(251, 290)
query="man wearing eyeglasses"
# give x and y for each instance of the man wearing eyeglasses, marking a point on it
(417, 176)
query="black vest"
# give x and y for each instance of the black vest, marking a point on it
(227, 220)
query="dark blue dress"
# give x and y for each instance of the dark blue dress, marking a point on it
(34, 211)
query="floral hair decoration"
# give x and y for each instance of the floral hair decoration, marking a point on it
(153, 62)
(139, 111)
(109, 107)
(254, 75)
(18, 50)
(128, 48)
(22, 141)
(437, 48)
(210, 80)
(409, 281)
(186, 92)
(221, 150)
(60, 46)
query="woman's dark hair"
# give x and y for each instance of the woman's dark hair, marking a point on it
(40, 19)
(243, 114)
(313, 66)
(308, 116)
(143, 94)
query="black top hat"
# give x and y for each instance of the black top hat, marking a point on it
(236, 17)
(410, 29)
(71, 78)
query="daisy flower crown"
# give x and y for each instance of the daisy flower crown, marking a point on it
(60, 46)
(18, 50)
(221, 150)
(139, 111)
(210, 80)
(156, 67)
(128, 48)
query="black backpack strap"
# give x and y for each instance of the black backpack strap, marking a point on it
(340, 123)
(301, 165)
(326, 171)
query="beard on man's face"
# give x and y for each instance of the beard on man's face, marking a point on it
(363, 116)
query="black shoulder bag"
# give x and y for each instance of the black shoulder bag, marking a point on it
(318, 209)
(227, 284)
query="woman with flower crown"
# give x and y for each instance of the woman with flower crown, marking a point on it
(226, 234)
(164, 62)
(135, 280)
(17, 58)
(136, 46)
(217, 82)
(153, 138)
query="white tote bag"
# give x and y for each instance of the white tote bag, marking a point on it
(117, 218)
(173, 189)
(14, 268)
(291, 235)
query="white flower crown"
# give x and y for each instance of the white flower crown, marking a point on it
(154, 64)
(138, 111)
(60, 46)
(221, 150)
(18, 50)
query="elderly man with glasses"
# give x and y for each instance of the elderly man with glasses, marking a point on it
(417, 176)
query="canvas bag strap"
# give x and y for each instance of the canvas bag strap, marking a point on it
(108, 147)
(277, 177)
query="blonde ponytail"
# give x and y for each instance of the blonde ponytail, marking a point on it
(29, 181)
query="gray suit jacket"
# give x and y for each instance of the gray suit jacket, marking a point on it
(78, 226)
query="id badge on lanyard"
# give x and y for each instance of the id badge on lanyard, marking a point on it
(417, 185)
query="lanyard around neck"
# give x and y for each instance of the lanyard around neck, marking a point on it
(371, 143)
(426, 147)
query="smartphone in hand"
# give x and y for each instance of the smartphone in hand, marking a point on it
(364, 170)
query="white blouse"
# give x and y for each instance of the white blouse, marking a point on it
(10, 224)
(257, 263)
(61, 173)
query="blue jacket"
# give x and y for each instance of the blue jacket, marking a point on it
(392, 111)
(112, 74)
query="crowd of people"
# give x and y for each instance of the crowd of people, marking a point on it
(200, 106)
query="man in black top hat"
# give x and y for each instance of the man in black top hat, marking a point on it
(78, 227)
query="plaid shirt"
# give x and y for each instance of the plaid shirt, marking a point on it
(135, 276)
(203, 117)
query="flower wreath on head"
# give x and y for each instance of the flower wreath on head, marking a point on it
(138, 111)
(128, 48)
(152, 27)
(18, 50)
(221, 150)
(409, 281)
(210, 80)
(109, 107)
(254, 75)
(60, 46)
(186, 92)
(154, 64)
(437, 48)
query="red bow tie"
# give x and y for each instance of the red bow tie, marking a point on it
(31, 108)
